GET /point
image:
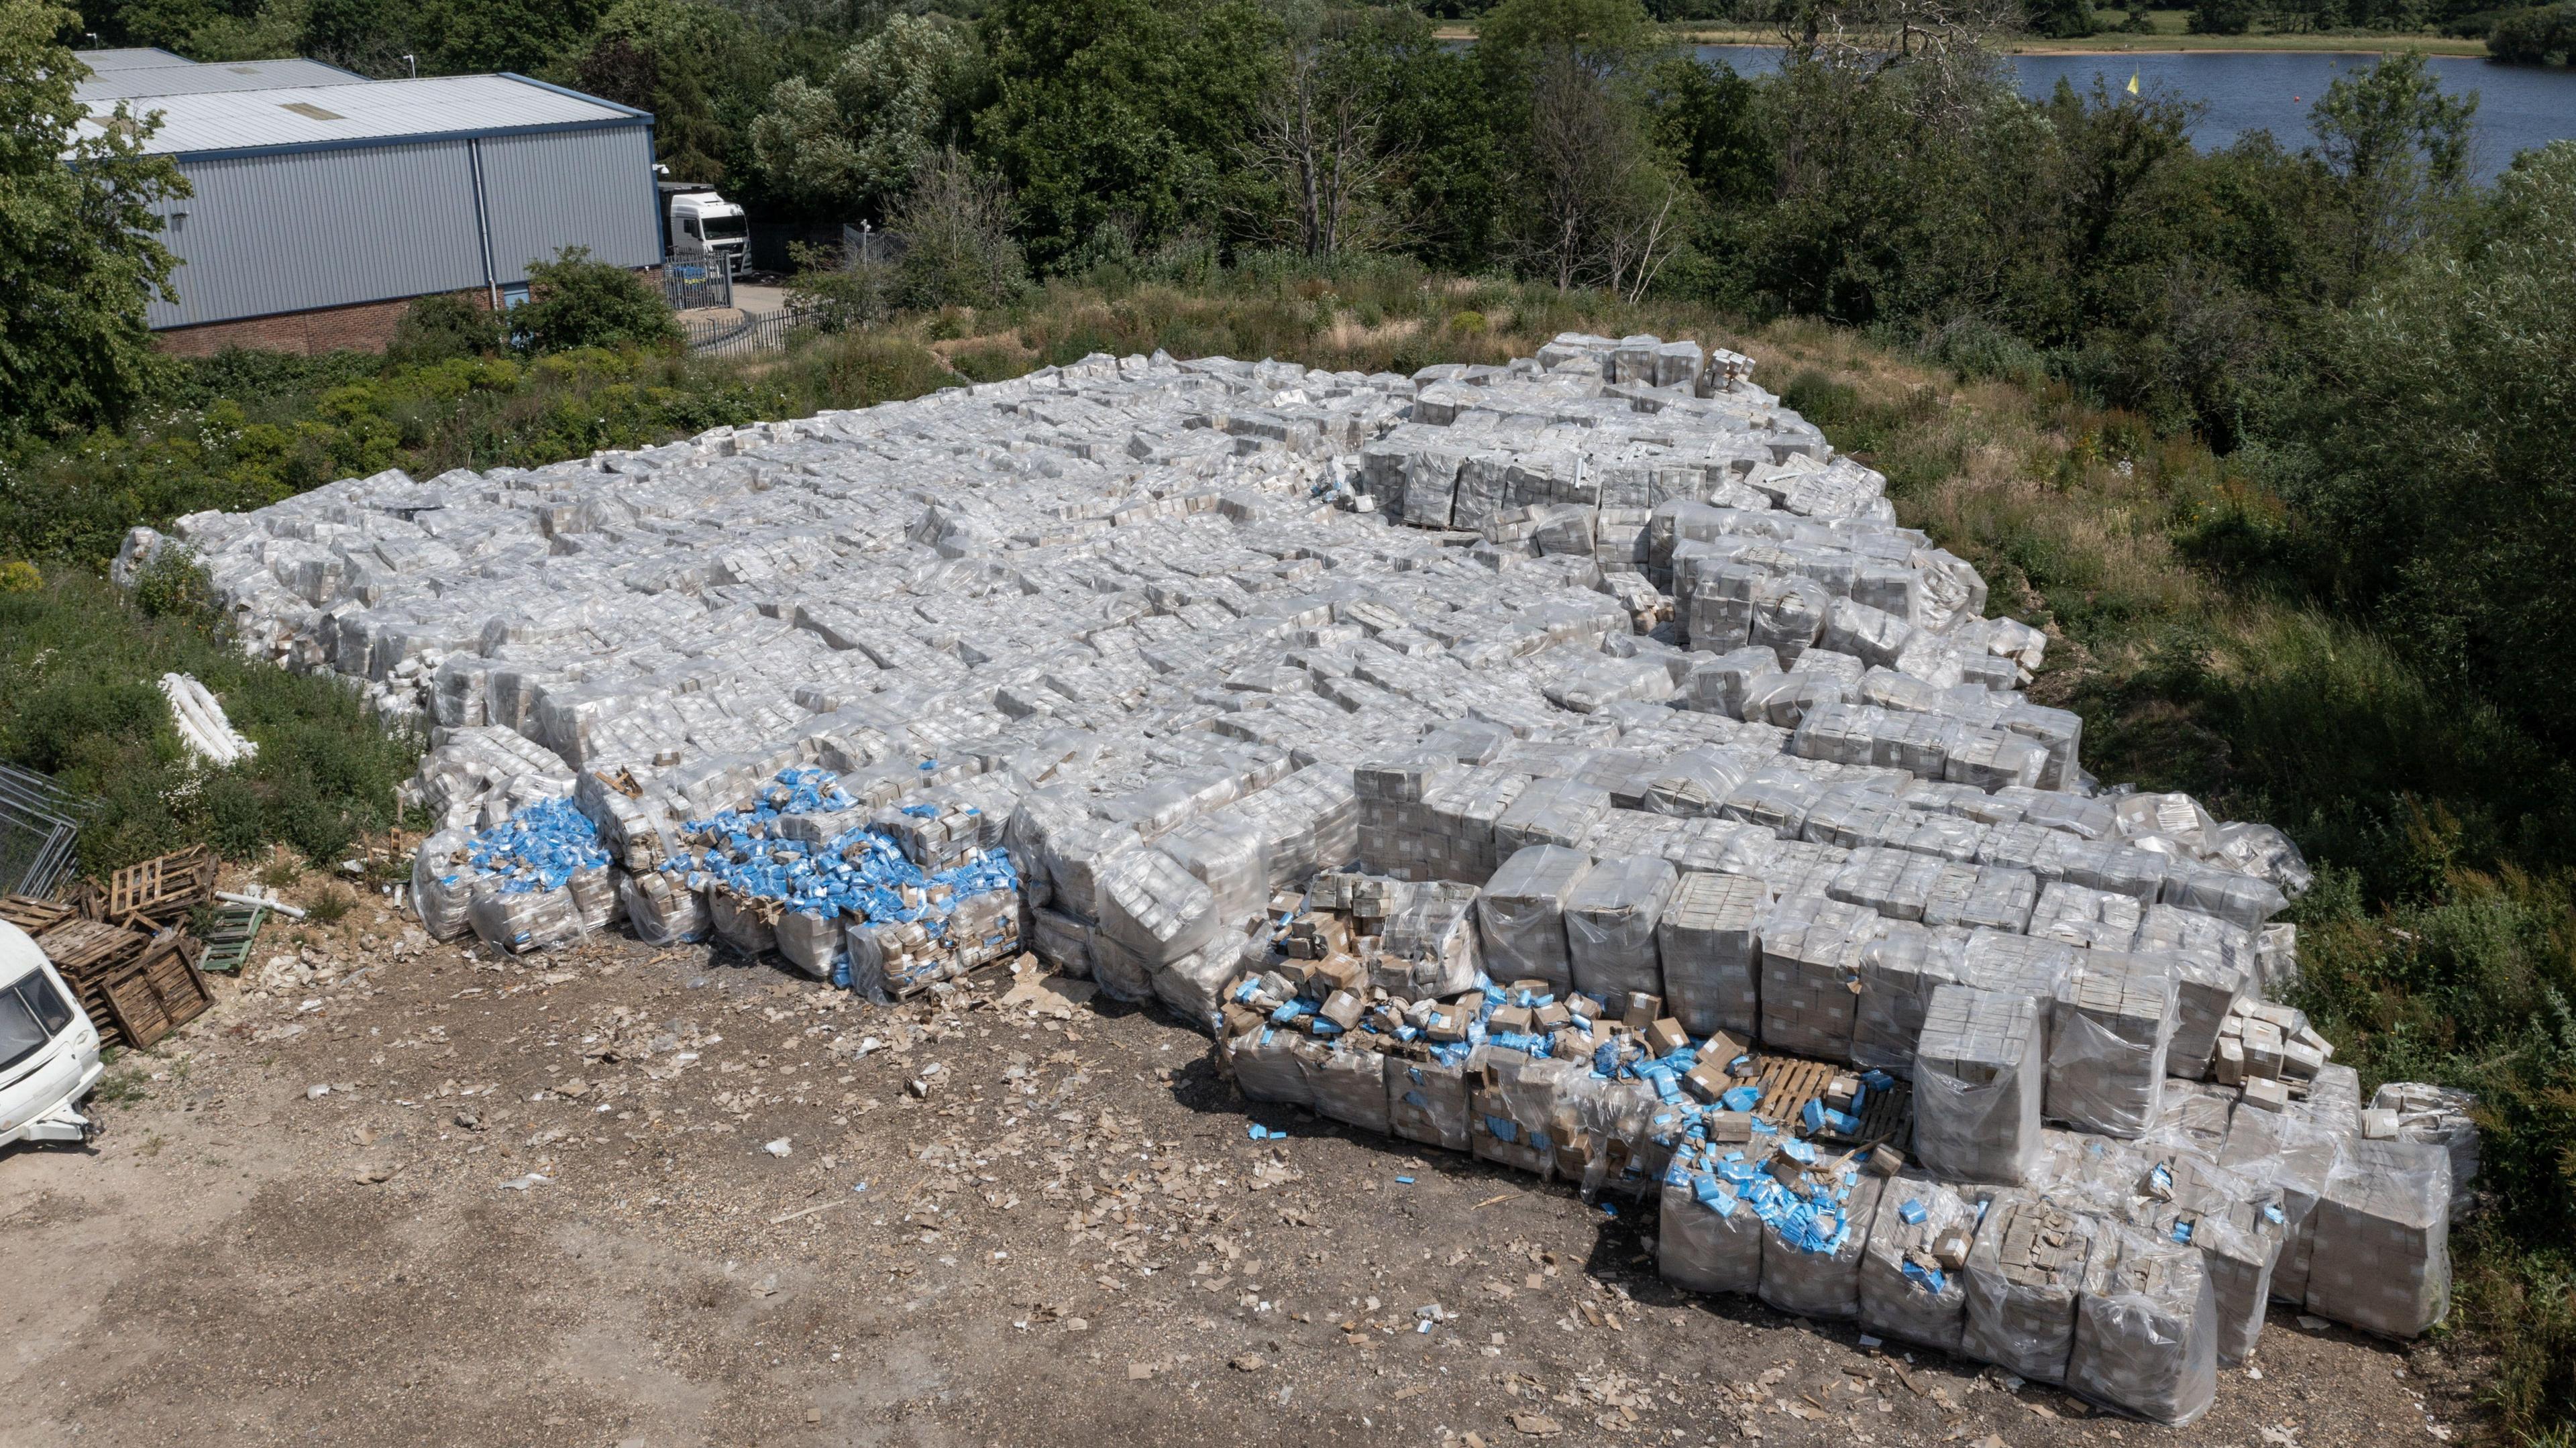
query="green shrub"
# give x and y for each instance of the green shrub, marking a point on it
(444, 328)
(574, 302)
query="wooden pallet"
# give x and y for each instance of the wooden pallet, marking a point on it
(230, 934)
(1790, 1082)
(86, 947)
(35, 916)
(162, 889)
(157, 993)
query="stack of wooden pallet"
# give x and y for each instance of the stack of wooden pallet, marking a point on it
(126, 949)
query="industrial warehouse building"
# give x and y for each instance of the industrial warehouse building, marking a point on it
(324, 201)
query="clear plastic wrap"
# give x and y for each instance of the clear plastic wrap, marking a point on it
(1549, 812)
(2443, 1116)
(2025, 1272)
(1810, 954)
(2299, 1158)
(1151, 904)
(1818, 1275)
(1978, 1073)
(1266, 1067)
(1122, 973)
(443, 884)
(1710, 943)
(1437, 931)
(810, 941)
(2382, 1259)
(1521, 915)
(1610, 925)
(1898, 974)
(1512, 1103)
(1905, 1292)
(1225, 854)
(2146, 1330)
(535, 920)
(745, 925)
(1706, 1238)
(1063, 941)
(1349, 1085)
(663, 911)
(2108, 1036)
(1426, 1101)
(1193, 987)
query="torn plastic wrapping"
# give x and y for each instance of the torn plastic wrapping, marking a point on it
(1905, 1292)
(1706, 1239)
(1510, 1113)
(1426, 1101)
(743, 923)
(1437, 931)
(2025, 1272)
(1266, 1068)
(443, 884)
(1709, 941)
(1820, 1277)
(1978, 1075)
(1610, 925)
(2146, 1339)
(2109, 1034)
(664, 913)
(2442, 1115)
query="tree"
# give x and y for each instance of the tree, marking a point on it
(2398, 149)
(576, 302)
(957, 247)
(1320, 136)
(2059, 19)
(850, 146)
(2435, 448)
(2537, 36)
(701, 69)
(442, 328)
(1123, 114)
(79, 241)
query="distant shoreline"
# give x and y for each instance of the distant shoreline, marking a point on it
(2123, 44)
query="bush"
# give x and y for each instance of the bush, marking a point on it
(442, 329)
(831, 295)
(956, 230)
(574, 302)
(2542, 35)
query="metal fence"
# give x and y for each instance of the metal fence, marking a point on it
(738, 336)
(38, 830)
(689, 285)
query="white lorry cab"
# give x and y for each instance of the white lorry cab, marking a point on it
(699, 225)
(48, 1048)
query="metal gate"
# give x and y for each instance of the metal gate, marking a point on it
(690, 285)
(38, 830)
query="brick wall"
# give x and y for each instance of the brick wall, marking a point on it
(366, 327)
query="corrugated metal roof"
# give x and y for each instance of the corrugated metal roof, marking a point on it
(135, 58)
(384, 110)
(180, 80)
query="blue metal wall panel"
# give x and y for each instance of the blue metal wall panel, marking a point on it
(575, 188)
(292, 232)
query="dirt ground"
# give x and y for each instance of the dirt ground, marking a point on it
(618, 1196)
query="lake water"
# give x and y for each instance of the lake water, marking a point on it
(2518, 106)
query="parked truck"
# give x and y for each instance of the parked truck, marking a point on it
(698, 225)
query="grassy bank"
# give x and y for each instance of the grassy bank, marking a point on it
(2440, 943)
